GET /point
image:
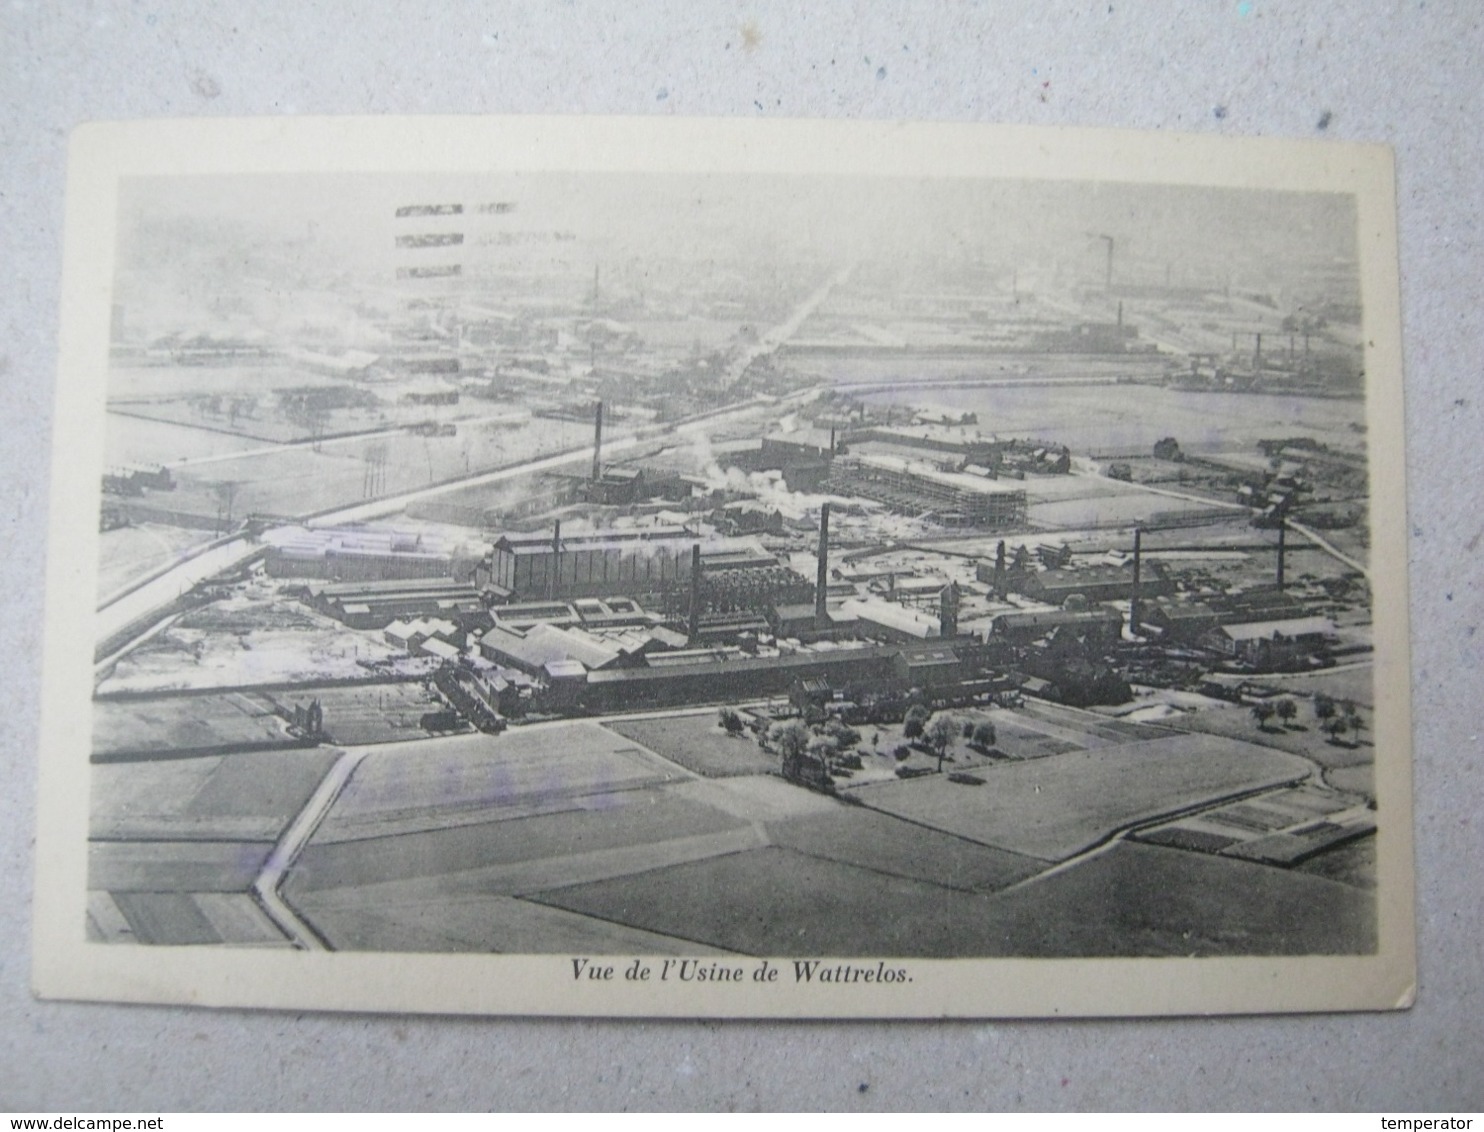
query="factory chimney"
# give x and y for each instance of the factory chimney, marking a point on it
(1282, 532)
(1133, 605)
(832, 440)
(1257, 352)
(822, 578)
(556, 558)
(598, 444)
(948, 599)
(695, 593)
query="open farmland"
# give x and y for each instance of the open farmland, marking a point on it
(1148, 900)
(361, 714)
(569, 836)
(1353, 682)
(854, 835)
(1126, 508)
(1091, 418)
(175, 844)
(402, 787)
(127, 554)
(1056, 806)
(242, 797)
(776, 901)
(698, 744)
(159, 727)
(470, 823)
(303, 479)
(516, 854)
(1301, 738)
(1133, 900)
(415, 916)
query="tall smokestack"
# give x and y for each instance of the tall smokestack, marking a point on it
(695, 593)
(1133, 605)
(598, 443)
(832, 440)
(556, 559)
(1257, 352)
(822, 578)
(948, 599)
(1282, 532)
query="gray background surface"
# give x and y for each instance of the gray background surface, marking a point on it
(1403, 73)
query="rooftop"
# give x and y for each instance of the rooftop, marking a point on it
(1289, 627)
(931, 472)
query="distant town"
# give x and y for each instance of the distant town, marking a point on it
(507, 594)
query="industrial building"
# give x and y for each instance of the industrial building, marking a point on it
(355, 555)
(594, 564)
(375, 605)
(1101, 625)
(890, 621)
(912, 487)
(412, 635)
(536, 649)
(133, 479)
(1094, 583)
(733, 680)
(1178, 622)
(1271, 643)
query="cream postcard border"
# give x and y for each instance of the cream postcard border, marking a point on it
(65, 965)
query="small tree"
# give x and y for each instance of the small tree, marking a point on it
(823, 748)
(1287, 710)
(1353, 720)
(916, 721)
(1262, 713)
(1336, 726)
(730, 721)
(941, 736)
(790, 740)
(984, 735)
(842, 733)
(968, 729)
(1324, 708)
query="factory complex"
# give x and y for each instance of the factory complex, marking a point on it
(539, 593)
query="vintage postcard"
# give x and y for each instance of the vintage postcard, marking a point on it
(660, 567)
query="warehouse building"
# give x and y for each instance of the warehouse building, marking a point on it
(1094, 583)
(919, 488)
(375, 605)
(1101, 625)
(595, 564)
(355, 555)
(1269, 643)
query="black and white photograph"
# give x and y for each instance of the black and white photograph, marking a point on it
(729, 574)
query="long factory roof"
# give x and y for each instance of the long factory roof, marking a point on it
(923, 470)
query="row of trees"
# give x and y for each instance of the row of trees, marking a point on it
(793, 739)
(1335, 718)
(940, 733)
